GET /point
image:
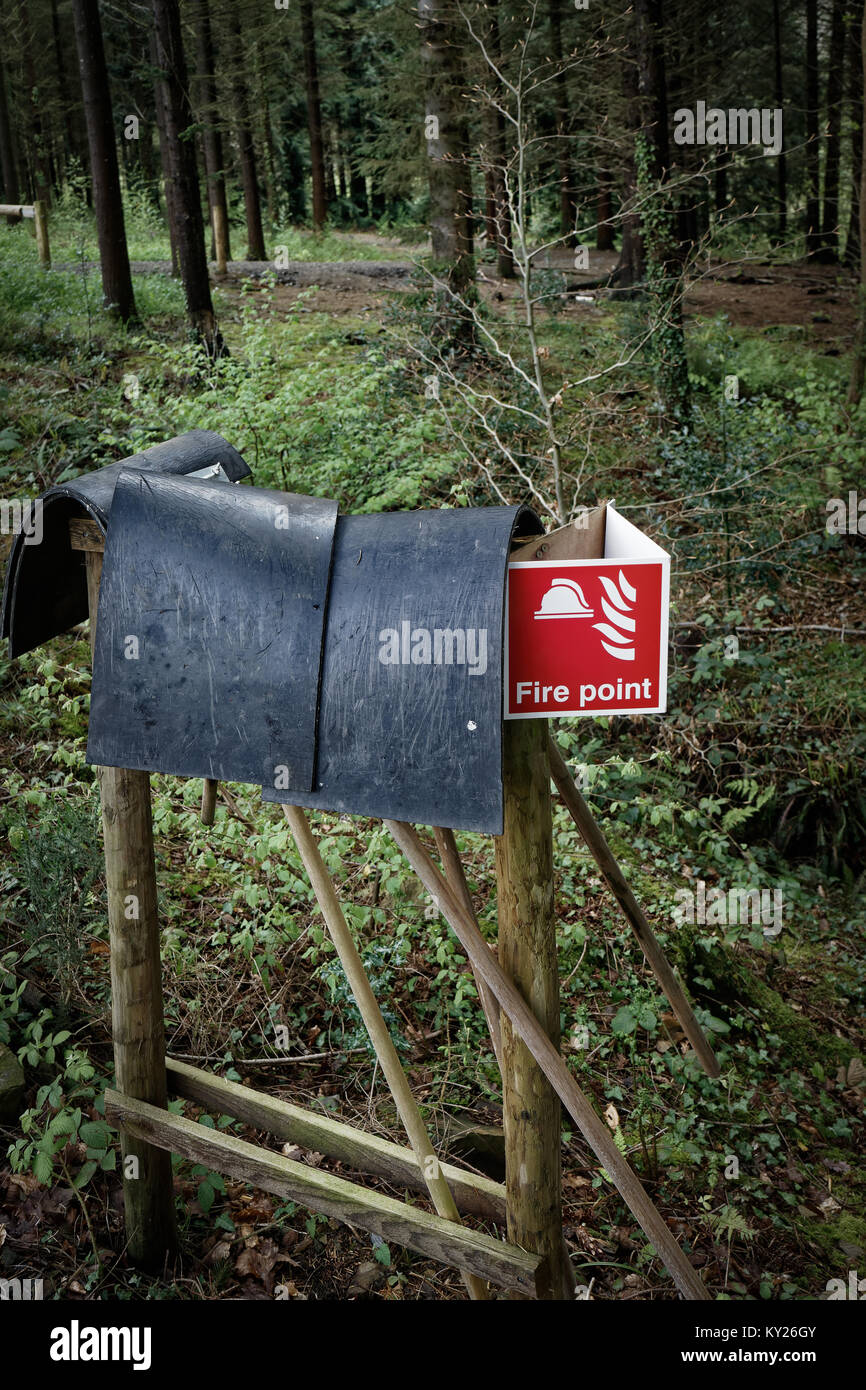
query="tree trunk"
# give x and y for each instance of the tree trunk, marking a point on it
(167, 181)
(314, 115)
(567, 206)
(855, 111)
(781, 166)
(664, 270)
(67, 106)
(41, 179)
(451, 255)
(504, 250)
(246, 147)
(720, 181)
(183, 172)
(832, 166)
(8, 167)
(113, 254)
(631, 267)
(211, 137)
(858, 366)
(813, 209)
(604, 212)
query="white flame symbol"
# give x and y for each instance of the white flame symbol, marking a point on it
(621, 602)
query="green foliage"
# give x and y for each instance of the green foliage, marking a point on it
(60, 1120)
(59, 869)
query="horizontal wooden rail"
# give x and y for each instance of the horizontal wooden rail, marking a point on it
(368, 1153)
(396, 1222)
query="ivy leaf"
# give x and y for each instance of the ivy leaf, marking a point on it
(624, 1021)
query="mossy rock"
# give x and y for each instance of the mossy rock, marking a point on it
(734, 982)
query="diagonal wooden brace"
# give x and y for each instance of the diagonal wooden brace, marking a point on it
(615, 879)
(525, 1023)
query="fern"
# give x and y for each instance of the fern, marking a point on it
(728, 1223)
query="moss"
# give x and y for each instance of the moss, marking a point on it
(734, 983)
(828, 1236)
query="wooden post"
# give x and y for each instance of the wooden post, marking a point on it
(527, 955)
(208, 800)
(136, 987)
(40, 217)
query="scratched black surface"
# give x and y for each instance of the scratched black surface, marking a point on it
(398, 740)
(45, 589)
(228, 607)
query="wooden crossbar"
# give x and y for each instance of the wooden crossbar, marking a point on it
(396, 1222)
(368, 1153)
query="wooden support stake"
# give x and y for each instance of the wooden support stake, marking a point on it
(208, 800)
(311, 1129)
(397, 1222)
(616, 881)
(528, 956)
(368, 1007)
(452, 864)
(136, 986)
(529, 1029)
(41, 223)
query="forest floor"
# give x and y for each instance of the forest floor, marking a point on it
(755, 776)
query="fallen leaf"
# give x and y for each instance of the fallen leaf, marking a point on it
(612, 1116)
(218, 1252)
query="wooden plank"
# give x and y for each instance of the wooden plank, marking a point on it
(616, 881)
(368, 1007)
(527, 953)
(17, 210)
(368, 1153)
(137, 1028)
(572, 542)
(394, 1221)
(527, 1026)
(86, 535)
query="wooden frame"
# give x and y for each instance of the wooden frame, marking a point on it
(535, 1077)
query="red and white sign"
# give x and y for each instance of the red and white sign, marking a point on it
(589, 636)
